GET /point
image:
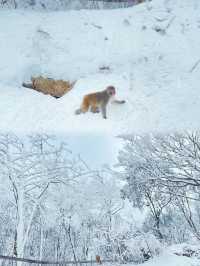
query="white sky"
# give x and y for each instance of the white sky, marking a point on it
(96, 150)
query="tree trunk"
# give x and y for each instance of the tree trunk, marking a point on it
(157, 225)
(20, 225)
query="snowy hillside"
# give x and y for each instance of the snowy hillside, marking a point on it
(152, 52)
(167, 259)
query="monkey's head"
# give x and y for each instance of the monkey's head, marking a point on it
(111, 90)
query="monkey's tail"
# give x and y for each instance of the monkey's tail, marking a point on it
(84, 106)
(27, 85)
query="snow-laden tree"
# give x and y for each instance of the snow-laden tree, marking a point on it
(53, 206)
(91, 216)
(30, 170)
(141, 171)
(67, 4)
(163, 171)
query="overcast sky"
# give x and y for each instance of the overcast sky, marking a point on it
(96, 150)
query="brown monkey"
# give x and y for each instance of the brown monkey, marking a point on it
(98, 259)
(97, 100)
(56, 88)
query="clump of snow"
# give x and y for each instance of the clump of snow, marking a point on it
(151, 55)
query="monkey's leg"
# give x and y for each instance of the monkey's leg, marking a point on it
(95, 109)
(103, 111)
(84, 108)
(27, 85)
(78, 111)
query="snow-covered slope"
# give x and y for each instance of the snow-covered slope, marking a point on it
(152, 52)
(167, 259)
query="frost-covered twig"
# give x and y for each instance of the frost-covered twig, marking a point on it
(194, 66)
(96, 26)
(170, 22)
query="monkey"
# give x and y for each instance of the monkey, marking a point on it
(98, 101)
(56, 88)
(98, 259)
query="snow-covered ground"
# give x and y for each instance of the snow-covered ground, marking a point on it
(151, 51)
(167, 258)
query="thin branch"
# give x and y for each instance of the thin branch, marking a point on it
(194, 66)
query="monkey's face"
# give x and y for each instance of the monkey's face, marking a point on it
(111, 91)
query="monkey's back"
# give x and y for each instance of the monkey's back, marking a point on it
(96, 98)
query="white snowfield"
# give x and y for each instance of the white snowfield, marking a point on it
(152, 51)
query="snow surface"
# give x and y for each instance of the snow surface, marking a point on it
(150, 64)
(169, 259)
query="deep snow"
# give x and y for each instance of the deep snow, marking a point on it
(150, 66)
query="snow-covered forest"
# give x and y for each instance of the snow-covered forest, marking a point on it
(67, 4)
(55, 206)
